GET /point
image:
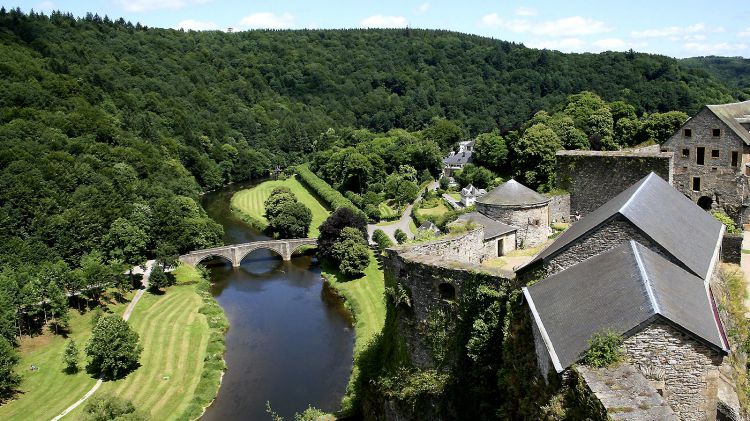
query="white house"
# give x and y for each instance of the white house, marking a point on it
(469, 194)
(456, 160)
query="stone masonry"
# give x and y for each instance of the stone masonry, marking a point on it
(466, 247)
(691, 369)
(594, 177)
(725, 186)
(532, 221)
(559, 208)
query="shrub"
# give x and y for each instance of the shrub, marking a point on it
(331, 196)
(726, 220)
(400, 236)
(605, 349)
(113, 349)
(444, 182)
(381, 239)
(159, 279)
(109, 407)
(70, 357)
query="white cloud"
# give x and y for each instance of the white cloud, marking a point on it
(697, 37)
(617, 44)
(525, 11)
(423, 8)
(45, 6)
(745, 33)
(564, 44)
(566, 27)
(268, 20)
(196, 25)
(718, 48)
(146, 5)
(674, 33)
(380, 21)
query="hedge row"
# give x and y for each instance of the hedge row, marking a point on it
(331, 196)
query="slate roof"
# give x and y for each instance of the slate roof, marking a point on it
(458, 158)
(492, 228)
(623, 289)
(512, 193)
(665, 215)
(730, 113)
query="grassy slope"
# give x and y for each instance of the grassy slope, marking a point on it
(48, 391)
(438, 210)
(250, 202)
(364, 297)
(387, 212)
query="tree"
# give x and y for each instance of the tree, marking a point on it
(278, 198)
(70, 357)
(96, 275)
(479, 177)
(9, 380)
(159, 279)
(400, 189)
(58, 305)
(126, 242)
(381, 239)
(444, 183)
(400, 236)
(292, 221)
(113, 350)
(110, 407)
(166, 255)
(351, 252)
(330, 229)
(490, 151)
(535, 156)
(444, 132)
(661, 126)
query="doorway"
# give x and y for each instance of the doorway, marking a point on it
(500, 248)
(705, 202)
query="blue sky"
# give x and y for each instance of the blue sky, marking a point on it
(675, 28)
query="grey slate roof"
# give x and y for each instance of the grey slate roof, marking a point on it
(458, 158)
(492, 228)
(512, 193)
(729, 113)
(670, 219)
(623, 289)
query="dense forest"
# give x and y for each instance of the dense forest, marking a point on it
(732, 71)
(110, 131)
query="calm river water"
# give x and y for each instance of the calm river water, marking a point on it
(289, 343)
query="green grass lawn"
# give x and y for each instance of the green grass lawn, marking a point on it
(412, 227)
(250, 202)
(387, 212)
(456, 196)
(364, 298)
(174, 336)
(438, 210)
(48, 391)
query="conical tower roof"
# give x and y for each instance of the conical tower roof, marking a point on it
(512, 193)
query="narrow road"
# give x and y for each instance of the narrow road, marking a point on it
(125, 316)
(403, 222)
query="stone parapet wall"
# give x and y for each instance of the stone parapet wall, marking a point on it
(691, 369)
(595, 177)
(532, 221)
(467, 247)
(731, 248)
(559, 208)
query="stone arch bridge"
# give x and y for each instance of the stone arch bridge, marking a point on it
(236, 252)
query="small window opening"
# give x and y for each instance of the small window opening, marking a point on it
(447, 291)
(686, 153)
(687, 132)
(715, 153)
(696, 184)
(735, 158)
(701, 155)
(716, 132)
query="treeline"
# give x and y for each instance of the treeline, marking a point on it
(732, 71)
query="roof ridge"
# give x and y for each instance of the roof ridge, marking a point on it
(645, 277)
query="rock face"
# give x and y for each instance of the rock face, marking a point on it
(691, 370)
(594, 177)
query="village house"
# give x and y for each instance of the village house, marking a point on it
(632, 267)
(712, 158)
(469, 195)
(457, 160)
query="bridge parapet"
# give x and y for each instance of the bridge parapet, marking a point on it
(236, 252)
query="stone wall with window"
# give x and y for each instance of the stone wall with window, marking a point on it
(532, 221)
(709, 164)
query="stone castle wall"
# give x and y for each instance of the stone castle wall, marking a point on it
(691, 369)
(594, 177)
(491, 246)
(559, 208)
(532, 222)
(731, 248)
(724, 184)
(467, 247)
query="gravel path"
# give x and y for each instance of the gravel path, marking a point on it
(403, 222)
(125, 316)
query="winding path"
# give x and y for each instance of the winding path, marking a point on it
(403, 222)
(125, 316)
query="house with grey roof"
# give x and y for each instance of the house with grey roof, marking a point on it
(470, 194)
(712, 158)
(651, 212)
(498, 238)
(457, 160)
(514, 204)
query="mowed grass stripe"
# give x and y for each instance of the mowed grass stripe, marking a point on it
(250, 201)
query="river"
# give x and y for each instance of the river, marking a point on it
(289, 343)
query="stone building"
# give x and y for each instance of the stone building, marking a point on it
(457, 160)
(470, 194)
(632, 267)
(516, 205)
(712, 158)
(498, 239)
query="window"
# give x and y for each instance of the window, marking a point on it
(716, 132)
(700, 153)
(735, 158)
(696, 184)
(687, 132)
(686, 153)
(714, 153)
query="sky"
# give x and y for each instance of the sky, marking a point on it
(684, 28)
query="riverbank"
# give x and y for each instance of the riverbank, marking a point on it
(248, 203)
(364, 297)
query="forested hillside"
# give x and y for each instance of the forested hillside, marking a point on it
(732, 71)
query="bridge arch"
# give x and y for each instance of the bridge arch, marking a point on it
(199, 259)
(241, 256)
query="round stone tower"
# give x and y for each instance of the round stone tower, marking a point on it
(514, 204)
